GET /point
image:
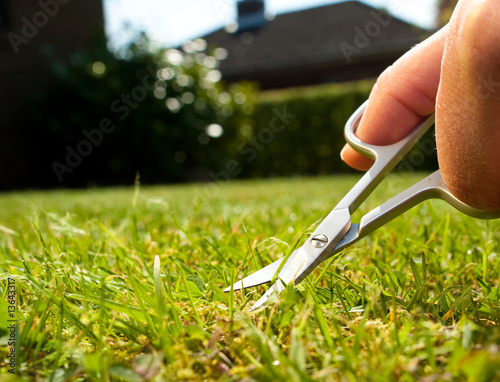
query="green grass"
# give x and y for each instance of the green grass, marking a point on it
(124, 284)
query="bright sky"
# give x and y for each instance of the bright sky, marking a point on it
(173, 22)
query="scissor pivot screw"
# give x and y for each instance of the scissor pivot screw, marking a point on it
(319, 241)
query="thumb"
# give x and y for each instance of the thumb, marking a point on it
(467, 117)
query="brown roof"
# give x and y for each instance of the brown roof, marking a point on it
(315, 37)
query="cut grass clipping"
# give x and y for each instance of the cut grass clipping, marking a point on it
(126, 285)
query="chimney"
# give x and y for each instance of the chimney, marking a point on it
(251, 15)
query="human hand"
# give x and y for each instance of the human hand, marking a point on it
(455, 72)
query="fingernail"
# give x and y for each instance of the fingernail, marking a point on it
(342, 152)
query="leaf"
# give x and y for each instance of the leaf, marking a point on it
(192, 289)
(416, 274)
(158, 286)
(122, 371)
(197, 281)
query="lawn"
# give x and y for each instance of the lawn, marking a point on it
(126, 284)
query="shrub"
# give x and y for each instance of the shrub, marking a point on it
(165, 113)
(313, 137)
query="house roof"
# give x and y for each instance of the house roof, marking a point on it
(316, 36)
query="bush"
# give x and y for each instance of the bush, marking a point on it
(312, 137)
(313, 133)
(161, 112)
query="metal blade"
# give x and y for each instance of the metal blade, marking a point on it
(303, 260)
(277, 287)
(317, 248)
(262, 276)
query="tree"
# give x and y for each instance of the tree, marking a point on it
(164, 113)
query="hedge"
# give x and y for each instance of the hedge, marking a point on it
(308, 140)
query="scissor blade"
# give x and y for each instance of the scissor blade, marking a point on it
(303, 260)
(317, 248)
(262, 276)
(277, 287)
(295, 268)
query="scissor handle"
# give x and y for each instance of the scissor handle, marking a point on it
(431, 187)
(394, 151)
(386, 158)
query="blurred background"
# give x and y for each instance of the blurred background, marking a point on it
(93, 92)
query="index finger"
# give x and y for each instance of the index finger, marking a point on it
(404, 94)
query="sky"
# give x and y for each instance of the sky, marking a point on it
(173, 22)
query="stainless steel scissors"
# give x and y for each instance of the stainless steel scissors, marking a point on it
(336, 232)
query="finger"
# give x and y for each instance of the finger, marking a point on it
(467, 118)
(403, 95)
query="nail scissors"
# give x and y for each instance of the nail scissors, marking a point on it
(336, 232)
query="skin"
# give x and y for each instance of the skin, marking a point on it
(455, 72)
